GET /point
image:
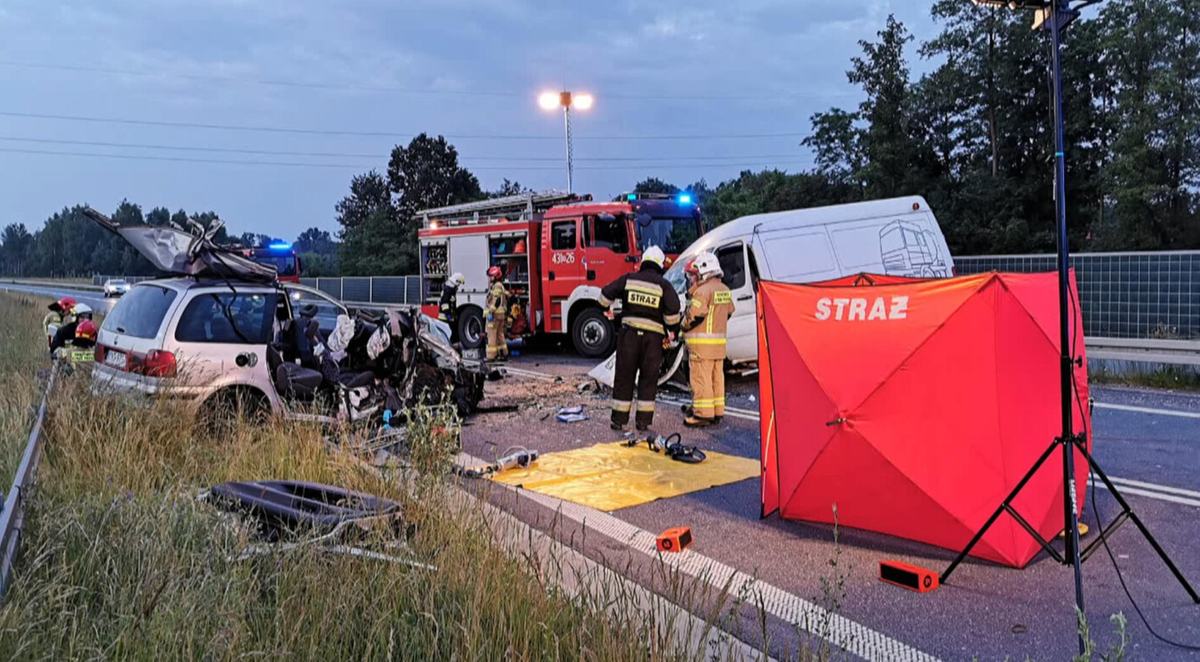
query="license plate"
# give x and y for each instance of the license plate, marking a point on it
(115, 359)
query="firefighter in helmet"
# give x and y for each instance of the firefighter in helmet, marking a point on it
(649, 315)
(497, 316)
(448, 304)
(61, 312)
(82, 347)
(704, 326)
(65, 335)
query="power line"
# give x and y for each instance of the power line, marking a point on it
(231, 150)
(640, 167)
(406, 90)
(379, 134)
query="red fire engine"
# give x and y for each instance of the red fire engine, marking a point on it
(556, 250)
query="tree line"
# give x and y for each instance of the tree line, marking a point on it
(972, 135)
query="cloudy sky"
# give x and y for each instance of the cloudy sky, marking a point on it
(262, 110)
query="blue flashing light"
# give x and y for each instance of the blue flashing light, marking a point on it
(279, 246)
(631, 197)
(685, 199)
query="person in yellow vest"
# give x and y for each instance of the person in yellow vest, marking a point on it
(497, 316)
(704, 324)
(61, 313)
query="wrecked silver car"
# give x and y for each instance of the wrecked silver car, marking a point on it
(224, 333)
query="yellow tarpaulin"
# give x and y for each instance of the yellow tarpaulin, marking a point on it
(612, 476)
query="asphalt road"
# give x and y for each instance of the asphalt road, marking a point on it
(986, 612)
(1148, 440)
(91, 297)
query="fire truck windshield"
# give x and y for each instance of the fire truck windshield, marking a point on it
(285, 265)
(671, 234)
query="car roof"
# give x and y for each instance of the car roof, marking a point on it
(806, 217)
(185, 284)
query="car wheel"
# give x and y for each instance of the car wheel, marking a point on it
(592, 333)
(471, 328)
(223, 410)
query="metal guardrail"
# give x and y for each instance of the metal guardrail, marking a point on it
(12, 519)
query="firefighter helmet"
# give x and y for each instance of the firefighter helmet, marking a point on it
(82, 309)
(495, 272)
(86, 330)
(654, 254)
(66, 304)
(705, 265)
(457, 279)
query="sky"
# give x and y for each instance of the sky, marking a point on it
(263, 110)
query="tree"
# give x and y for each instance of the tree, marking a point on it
(426, 174)
(509, 188)
(655, 185)
(315, 240)
(15, 246)
(370, 229)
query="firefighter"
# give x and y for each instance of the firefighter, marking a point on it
(60, 314)
(65, 335)
(497, 316)
(704, 325)
(82, 345)
(448, 304)
(649, 315)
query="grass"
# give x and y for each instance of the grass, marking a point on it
(121, 560)
(1173, 378)
(24, 352)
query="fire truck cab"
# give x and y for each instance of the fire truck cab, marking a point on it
(556, 250)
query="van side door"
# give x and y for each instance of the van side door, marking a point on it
(742, 334)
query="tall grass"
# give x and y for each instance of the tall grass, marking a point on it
(22, 352)
(120, 559)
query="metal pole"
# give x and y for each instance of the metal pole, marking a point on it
(1067, 364)
(567, 123)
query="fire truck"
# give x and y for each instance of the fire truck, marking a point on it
(556, 250)
(279, 255)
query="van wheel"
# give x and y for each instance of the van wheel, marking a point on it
(470, 328)
(592, 334)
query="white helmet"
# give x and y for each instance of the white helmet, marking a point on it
(82, 309)
(654, 254)
(458, 280)
(707, 265)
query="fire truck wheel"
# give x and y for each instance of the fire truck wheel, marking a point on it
(470, 328)
(592, 334)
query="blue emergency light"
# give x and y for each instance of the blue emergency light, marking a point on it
(631, 197)
(685, 199)
(279, 246)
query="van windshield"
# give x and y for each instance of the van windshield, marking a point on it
(140, 313)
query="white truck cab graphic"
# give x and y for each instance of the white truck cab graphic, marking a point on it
(906, 249)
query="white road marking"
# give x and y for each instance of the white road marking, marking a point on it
(796, 611)
(1125, 489)
(1148, 410)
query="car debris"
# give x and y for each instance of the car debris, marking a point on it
(333, 518)
(571, 414)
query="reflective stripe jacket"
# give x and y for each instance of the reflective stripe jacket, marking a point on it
(707, 319)
(497, 300)
(650, 303)
(448, 304)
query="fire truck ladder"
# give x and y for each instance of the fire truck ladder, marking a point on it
(508, 208)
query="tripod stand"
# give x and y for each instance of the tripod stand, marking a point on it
(1055, 15)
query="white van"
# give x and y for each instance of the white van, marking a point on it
(898, 236)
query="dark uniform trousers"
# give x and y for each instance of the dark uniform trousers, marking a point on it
(639, 358)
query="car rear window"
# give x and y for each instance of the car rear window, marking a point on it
(140, 313)
(226, 318)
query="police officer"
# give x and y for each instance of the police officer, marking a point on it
(448, 304)
(704, 326)
(497, 316)
(649, 313)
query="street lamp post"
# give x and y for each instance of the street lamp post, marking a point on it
(565, 100)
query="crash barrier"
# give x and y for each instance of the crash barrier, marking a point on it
(1147, 295)
(12, 519)
(918, 431)
(610, 476)
(98, 280)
